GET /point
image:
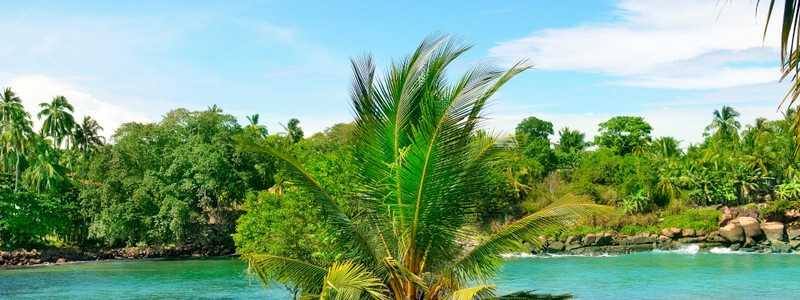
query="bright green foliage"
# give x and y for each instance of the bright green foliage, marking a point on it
(419, 167)
(27, 218)
(638, 201)
(178, 179)
(700, 218)
(788, 191)
(58, 122)
(776, 210)
(725, 126)
(535, 128)
(624, 135)
(285, 225)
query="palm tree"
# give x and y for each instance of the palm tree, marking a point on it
(10, 105)
(58, 122)
(724, 125)
(294, 131)
(790, 54)
(420, 166)
(16, 133)
(44, 173)
(87, 140)
(260, 129)
(87, 137)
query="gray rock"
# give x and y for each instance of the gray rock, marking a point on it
(774, 231)
(603, 239)
(574, 239)
(589, 239)
(781, 247)
(531, 248)
(751, 228)
(688, 232)
(733, 232)
(555, 247)
(735, 247)
(690, 240)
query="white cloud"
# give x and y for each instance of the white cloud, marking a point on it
(685, 44)
(36, 89)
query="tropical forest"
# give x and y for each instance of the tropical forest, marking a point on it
(417, 194)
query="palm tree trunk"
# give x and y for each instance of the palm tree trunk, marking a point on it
(16, 171)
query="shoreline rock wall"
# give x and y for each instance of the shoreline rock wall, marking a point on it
(23, 257)
(740, 234)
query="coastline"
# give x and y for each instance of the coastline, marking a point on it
(743, 234)
(23, 258)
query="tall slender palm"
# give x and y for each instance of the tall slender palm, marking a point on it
(16, 134)
(724, 125)
(294, 131)
(258, 128)
(87, 140)
(58, 122)
(420, 166)
(10, 105)
(87, 135)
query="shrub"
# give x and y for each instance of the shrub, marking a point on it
(776, 210)
(701, 218)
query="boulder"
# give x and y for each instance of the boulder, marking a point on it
(667, 233)
(676, 232)
(751, 228)
(688, 232)
(733, 232)
(726, 217)
(531, 248)
(555, 247)
(61, 260)
(701, 232)
(781, 247)
(774, 231)
(574, 239)
(589, 239)
(604, 239)
(793, 233)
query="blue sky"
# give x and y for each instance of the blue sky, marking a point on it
(672, 62)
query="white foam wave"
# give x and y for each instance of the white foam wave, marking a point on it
(687, 249)
(721, 250)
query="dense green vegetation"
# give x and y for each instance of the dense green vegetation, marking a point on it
(419, 165)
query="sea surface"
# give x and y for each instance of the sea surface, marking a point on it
(683, 274)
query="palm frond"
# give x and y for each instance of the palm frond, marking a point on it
(483, 261)
(271, 269)
(475, 292)
(349, 281)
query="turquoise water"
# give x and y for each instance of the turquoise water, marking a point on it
(653, 275)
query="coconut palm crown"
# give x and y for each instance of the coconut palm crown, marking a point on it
(421, 162)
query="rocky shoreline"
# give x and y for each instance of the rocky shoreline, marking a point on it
(741, 234)
(24, 258)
